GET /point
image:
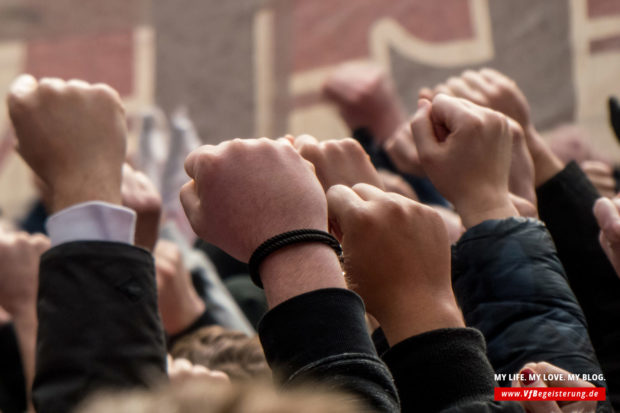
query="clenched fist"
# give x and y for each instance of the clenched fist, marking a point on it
(140, 194)
(397, 257)
(19, 276)
(492, 89)
(341, 161)
(246, 191)
(72, 134)
(366, 97)
(466, 149)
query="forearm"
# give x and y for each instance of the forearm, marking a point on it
(25, 323)
(508, 268)
(298, 269)
(98, 319)
(445, 370)
(546, 164)
(321, 337)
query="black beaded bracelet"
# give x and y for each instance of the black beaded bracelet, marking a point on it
(285, 239)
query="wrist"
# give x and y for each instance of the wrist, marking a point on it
(473, 212)
(300, 268)
(25, 314)
(185, 313)
(546, 163)
(417, 316)
(71, 193)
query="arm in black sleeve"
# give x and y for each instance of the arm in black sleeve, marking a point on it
(512, 287)
(99, 326)
(565, 204)
(321, 337)
(445, 370)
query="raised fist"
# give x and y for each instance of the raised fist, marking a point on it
(19, 276)
(397, 257)
(492, 89)
(246, 191)
(465, 150)
(341, 161)
(607, 213)
(140, 194)
(403, 152)
(178, 301)
(366, 97)
(72, 134)
(488, 88)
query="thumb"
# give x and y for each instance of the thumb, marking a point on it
(532, 379)
(341, 202)
(423, 131)
(608, 219)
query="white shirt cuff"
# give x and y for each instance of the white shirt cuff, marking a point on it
(92, 221)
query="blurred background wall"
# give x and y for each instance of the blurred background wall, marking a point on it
(245, 68)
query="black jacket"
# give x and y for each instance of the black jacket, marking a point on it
(99, 327)
(565, 204)
(512, 287)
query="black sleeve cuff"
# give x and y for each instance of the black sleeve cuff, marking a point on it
(314, 326)
(440, 369)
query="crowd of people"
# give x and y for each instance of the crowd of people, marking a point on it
(404, 269)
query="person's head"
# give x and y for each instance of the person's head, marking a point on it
(233, 352)
(198, 397)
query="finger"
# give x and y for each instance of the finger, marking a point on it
(608, 219)
(531, 379)
(182, 364)
(523, 206)
(368, 192)
(341, 201)
(461, 89)
(302, 140)
(442, 88)
(426, 93)
(191, 203)
(78, 84)
(52, 82)
(423, 131)
(195, 158)
(219, 376)
(477, 82)
(551, 371)
(23, 86)
(596, 167)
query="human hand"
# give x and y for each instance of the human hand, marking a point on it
(602, 177)
(244, 192)
(392, 182)
(179, 304)
(19, 277)
(465, 150)
(20, 254)
(366, 97)
(139, 194)
(492, 89)
(401, 149)
(397, 257)
(523, 206)
(72, 134)
(181, 371)
(341, 161)
(547, 375)
(607, 216)
(488, 88)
